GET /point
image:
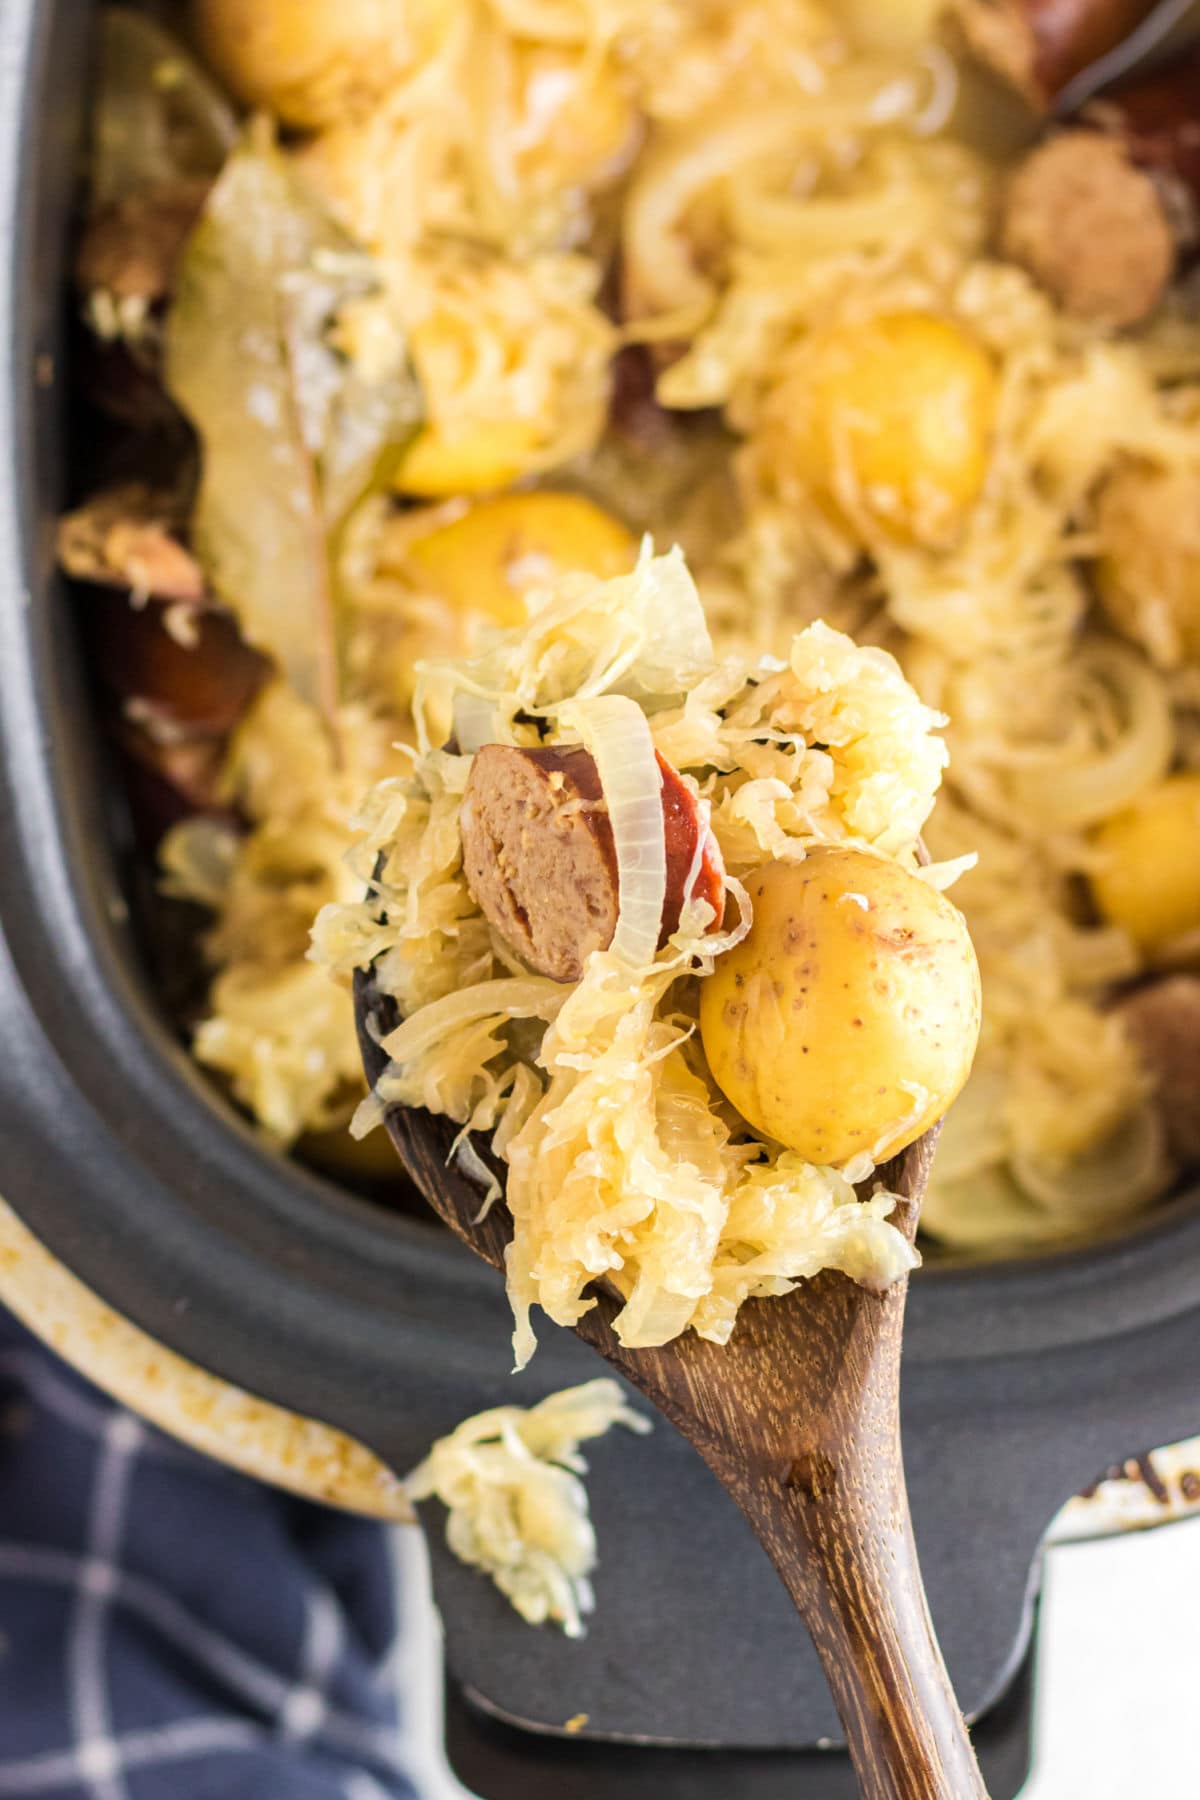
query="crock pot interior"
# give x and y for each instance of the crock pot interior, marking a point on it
(126, 937)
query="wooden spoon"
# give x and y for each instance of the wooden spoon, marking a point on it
(798, 1417)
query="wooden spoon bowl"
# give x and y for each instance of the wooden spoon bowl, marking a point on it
(798, 1417)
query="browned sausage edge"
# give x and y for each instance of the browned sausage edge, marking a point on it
(541, 864)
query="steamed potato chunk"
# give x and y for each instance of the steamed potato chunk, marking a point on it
(1147, 873)
(847, 1019)
(889, 423)
(514, 367)
(310, 62)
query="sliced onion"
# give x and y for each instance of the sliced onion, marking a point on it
(474, 721)
(677, 650)
(1067, 789)
(197, 857)
(942, 875)
(617, 733)
(1110, 1181)
(522, 997)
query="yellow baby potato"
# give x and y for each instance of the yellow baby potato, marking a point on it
(891, 421)
(856, 978)
(464, 454)
(488, 454)
(1148, 875)
(891, 24)
(1148, 571)
(310, 61)
(487, 560)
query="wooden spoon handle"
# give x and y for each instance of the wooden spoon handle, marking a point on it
(837, 1528)
(827, 1500)
(858, 1584)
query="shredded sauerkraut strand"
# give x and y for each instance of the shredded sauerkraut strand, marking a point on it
(511, 1480)
(624, 1164)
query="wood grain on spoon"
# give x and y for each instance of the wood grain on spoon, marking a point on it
(798, 1416)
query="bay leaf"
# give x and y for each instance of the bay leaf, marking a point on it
(292, 435)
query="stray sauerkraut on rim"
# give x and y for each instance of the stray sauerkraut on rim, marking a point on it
(657, 930)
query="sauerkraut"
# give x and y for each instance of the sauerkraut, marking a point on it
(276, 1030)
(511, 1481)
(624, 1164)
(613, 242)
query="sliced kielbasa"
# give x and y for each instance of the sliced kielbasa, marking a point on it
(1106, 209)
(1042, 45)
(540, 861)
(1163, 1019)
(1092, 227)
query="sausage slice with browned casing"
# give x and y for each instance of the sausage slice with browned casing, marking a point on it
(1091, 227)
(541, 863)
(1163, 1019)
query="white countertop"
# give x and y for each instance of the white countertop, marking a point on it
(1118, 1680)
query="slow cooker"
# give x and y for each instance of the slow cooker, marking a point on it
(130, 1175)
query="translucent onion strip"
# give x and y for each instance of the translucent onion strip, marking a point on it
(1108, 763)
(521, 997)
(616, 731)
(474, 721)
(1111, 1181)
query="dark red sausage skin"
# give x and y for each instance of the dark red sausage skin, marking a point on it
(1070, 35)
(1157, 117)
(683, 823)
(1042, 45)
(1163, 1019)
(539, 857)
(1104, 211)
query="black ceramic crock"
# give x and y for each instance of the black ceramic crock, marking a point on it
(1020, 1380)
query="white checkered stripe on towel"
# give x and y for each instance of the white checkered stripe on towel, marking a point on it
(170, 1630)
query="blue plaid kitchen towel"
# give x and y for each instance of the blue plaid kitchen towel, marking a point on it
(170, 1630)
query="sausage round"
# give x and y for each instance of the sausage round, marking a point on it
(1163, 1019)
(1103, 211)
(541, 864)
(1092, 227)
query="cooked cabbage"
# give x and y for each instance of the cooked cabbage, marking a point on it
(518, 1509)
(537, 185)
(623, 1164)
(276, 1028)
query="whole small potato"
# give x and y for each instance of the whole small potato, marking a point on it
(1147, 873)
(855, 977)
(310, 61)
(890, 420)
(487, 560)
